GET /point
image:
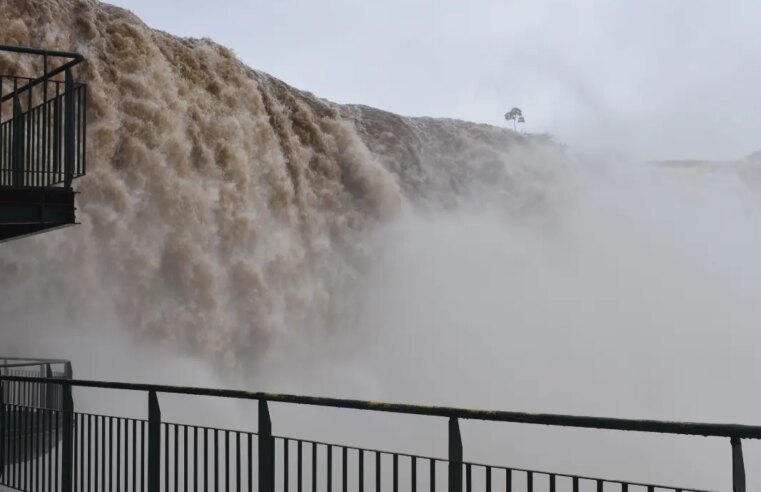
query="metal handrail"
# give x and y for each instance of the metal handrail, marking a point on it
(455, 463)
(652, 426)
(76, 58)
(17, 362)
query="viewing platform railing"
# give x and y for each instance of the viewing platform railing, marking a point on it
(107, 452)
(42, 119)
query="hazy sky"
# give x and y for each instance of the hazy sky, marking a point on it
(648, 78)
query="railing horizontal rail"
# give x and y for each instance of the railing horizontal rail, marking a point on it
(36, 51)
(27, 364)
(652, 426)
(27, 359)
(76, 58)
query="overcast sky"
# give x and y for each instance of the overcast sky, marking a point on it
(645, 78)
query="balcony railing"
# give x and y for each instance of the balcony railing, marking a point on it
(108, 452)
(42, 121)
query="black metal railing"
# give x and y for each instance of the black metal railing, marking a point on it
(34, 395)
(31, 415)
(105, 452)
(42, 122)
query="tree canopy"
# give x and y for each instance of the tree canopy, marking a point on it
(516, 116)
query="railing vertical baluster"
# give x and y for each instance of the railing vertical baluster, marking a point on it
(377, 472)
(395, 471)
(299, 472)
(508, 480)
(119, 453)
(57, 422)
(329, 474)
(432, 484)
(69, 143)
(361, 472)
(57, 133)
(575, 484)
(195, 459)
(530, 482)
(266, 449)
(216, 459)
(250, 462)
(29, 163)
(344, 474)
(111, 464)
(237, 462)
(30, 439)
(205, 459)
(14, 450)
(552, 483)
(488, 479)
(84, 130)
(77, 129)
(134, 455)
(738, 466)
(128, 423)
(81, 445)
(227, 460)
(36, 145)
(455, 456)
(94, 456)
(413, 473)
(154, 442)
(314, 467)
(48, 444)
(103, 447)
(45, 118)
(167, 461)
(176, 457)
(52, 444)
(22, 435)
(468, 479)
(624, 487)
(67, 445)
(17, 146)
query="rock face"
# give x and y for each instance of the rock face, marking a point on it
(223, 207)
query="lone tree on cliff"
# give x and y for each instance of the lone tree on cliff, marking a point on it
(516, 115)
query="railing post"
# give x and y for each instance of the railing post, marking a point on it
(266, 450)
(455, 456)
(67, 444)
(738, 466)
(68, 130)
(154, 443)
(49, 389)
(17, 144)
